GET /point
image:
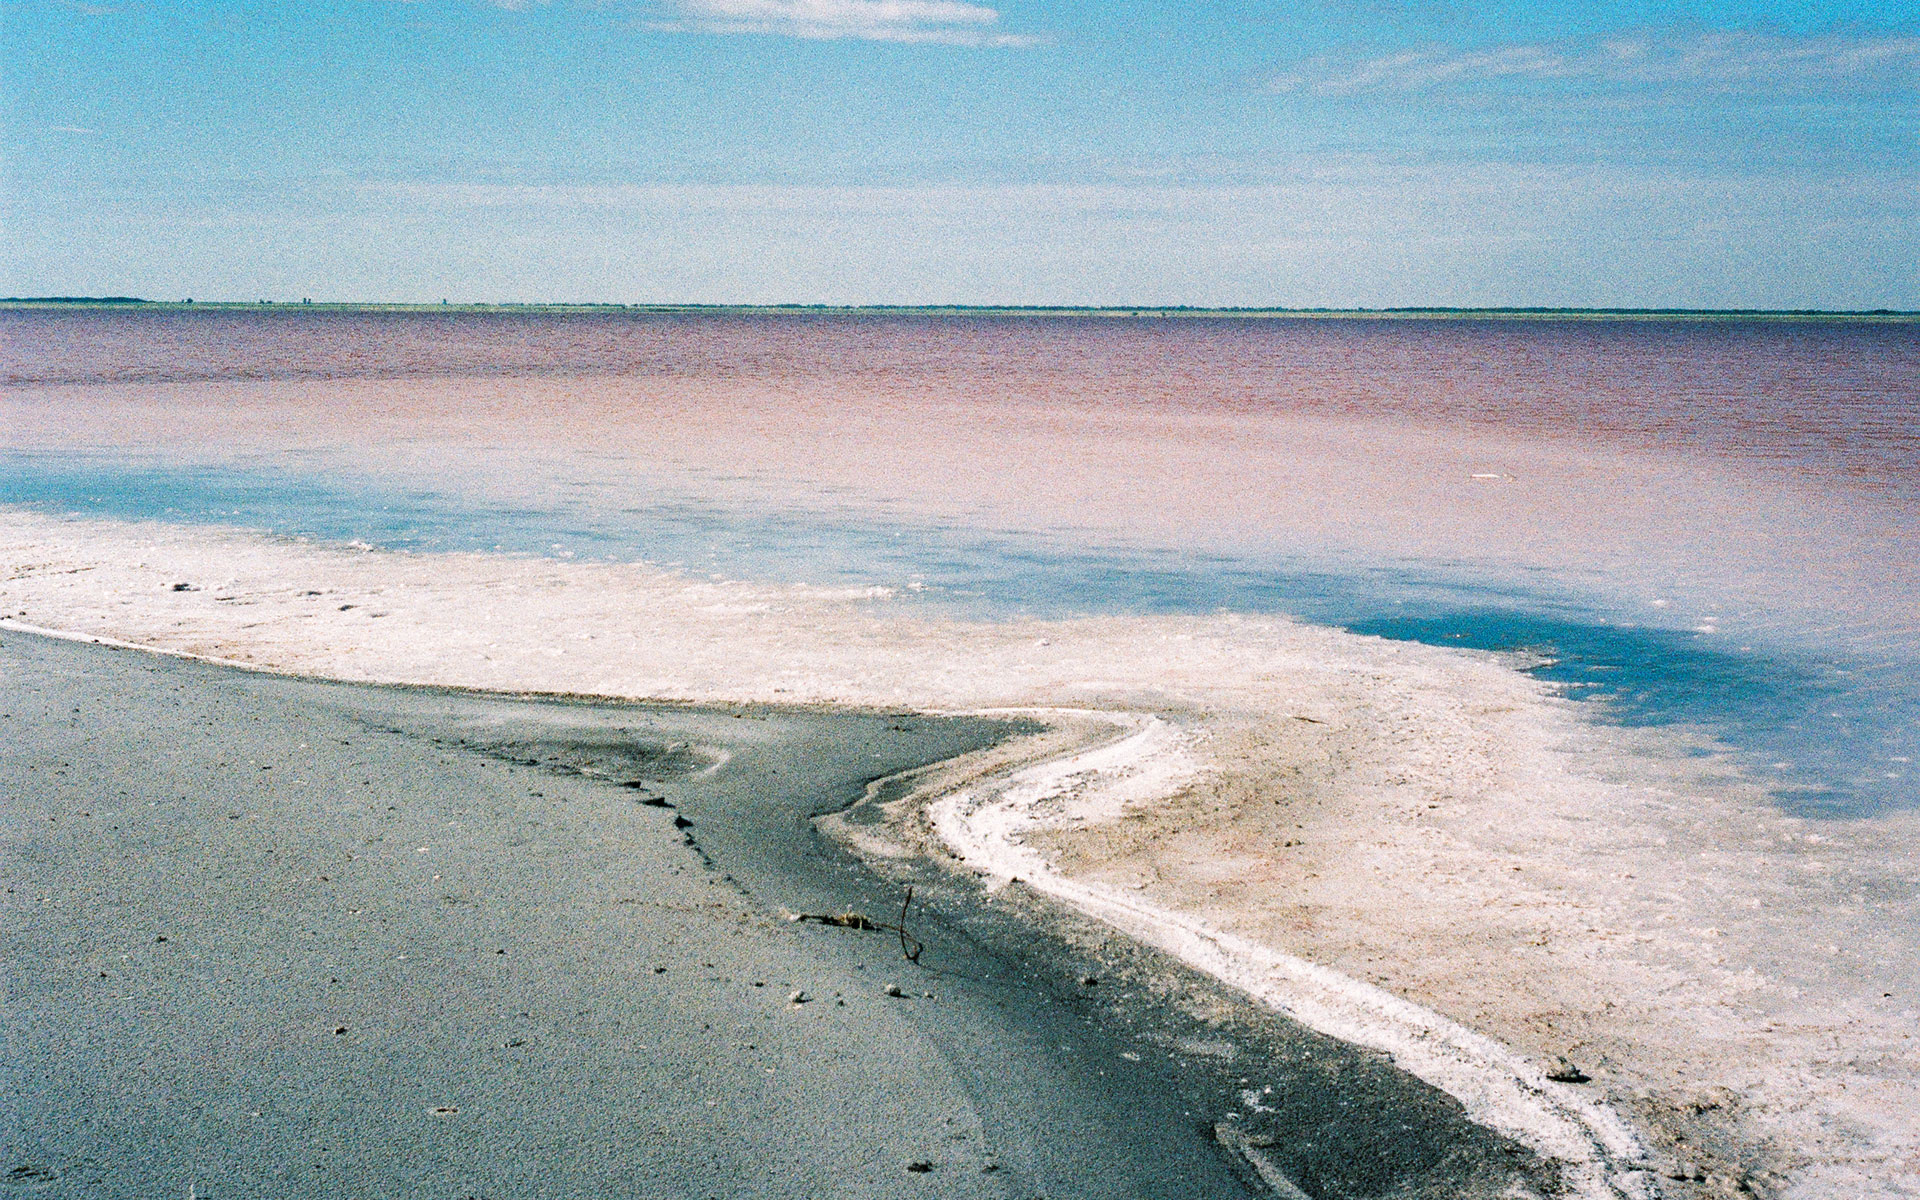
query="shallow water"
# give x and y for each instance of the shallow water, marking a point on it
(1831, 732)
(1706, 531)
(1707, 524)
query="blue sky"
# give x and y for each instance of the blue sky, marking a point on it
(911, 151)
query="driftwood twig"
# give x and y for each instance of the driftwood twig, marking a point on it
(910, 946)
(900, 927)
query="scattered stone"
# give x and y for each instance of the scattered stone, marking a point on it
(798, 997)
(340, 1029)
(1089, 980)
(185, 587)
(1562, 1070)
(893, 989)
(920, 1166)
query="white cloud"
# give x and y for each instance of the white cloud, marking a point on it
(1715, 62)
(1733, 59)
(952, 22)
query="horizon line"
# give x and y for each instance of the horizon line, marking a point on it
(987, 309)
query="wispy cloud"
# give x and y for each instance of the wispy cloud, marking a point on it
(1714, 62)
(950, 22)
(74, 129)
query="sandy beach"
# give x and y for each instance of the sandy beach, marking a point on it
(270, 936)
(1352, 803)
(902, 598)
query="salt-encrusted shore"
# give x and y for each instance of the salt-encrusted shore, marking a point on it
(1431, 823)
(1148, 759)
(268, 936)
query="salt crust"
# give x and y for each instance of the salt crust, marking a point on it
(1366, 833)
(1151, 758)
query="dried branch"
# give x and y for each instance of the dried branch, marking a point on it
(911, 947)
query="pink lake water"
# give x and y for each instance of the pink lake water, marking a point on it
(1711, 523)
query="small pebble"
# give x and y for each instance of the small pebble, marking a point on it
(920, 1166)
(1562, 1070)
(893, 989)
(798, 997)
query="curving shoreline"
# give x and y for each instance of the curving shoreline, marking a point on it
(1596, 1152)
(453, 941)
(1428, 822)
(273, 936)
(1144, 760)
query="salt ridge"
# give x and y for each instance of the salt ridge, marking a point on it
(1466, 837)
(1599, 1155)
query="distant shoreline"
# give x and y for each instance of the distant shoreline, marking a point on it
(1122, 312)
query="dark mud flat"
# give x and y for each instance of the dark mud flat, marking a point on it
(271, 937)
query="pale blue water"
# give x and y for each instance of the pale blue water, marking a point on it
(1832, 732)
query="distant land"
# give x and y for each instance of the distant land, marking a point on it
(976, 310)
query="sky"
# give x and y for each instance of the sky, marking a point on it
(1319, 153)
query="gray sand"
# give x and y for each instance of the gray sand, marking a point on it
(271, 937)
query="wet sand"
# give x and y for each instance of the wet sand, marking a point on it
(1431, 823)
(268, 936)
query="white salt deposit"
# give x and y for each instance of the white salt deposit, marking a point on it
(1420, 849)
(1601, 1156)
